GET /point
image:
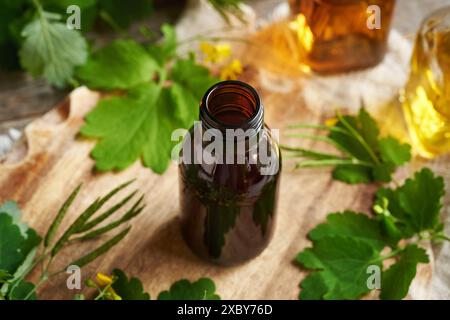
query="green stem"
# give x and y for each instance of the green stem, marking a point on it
(391, 254)
(311, 154)
(333, 162)
(396, 252)
(103, 292)
(316, 138)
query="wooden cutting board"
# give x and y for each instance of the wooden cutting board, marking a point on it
(42, 171)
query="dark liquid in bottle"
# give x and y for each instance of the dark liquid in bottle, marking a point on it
(228, 210)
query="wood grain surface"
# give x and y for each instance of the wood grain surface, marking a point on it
(55, 160)
(52, 160)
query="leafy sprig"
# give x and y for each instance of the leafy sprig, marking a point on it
(51, 49)
(34, 37)
(362, 155)
(348, 243)
(26, 251)
(162, 92)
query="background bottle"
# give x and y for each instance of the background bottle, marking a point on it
(228, 210)
(426, 99)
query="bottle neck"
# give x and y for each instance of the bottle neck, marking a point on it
(232, 105)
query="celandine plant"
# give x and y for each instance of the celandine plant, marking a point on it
(347, 258)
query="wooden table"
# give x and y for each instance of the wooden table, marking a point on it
(42, 173)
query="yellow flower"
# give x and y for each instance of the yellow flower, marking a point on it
(331, 122)
(104, 281)
(231, 71)
(215, 53)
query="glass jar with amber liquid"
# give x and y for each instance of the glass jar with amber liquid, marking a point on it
(426, 98)
(341, 35)
(229, 175)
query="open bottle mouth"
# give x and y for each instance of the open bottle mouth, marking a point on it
(232, 105)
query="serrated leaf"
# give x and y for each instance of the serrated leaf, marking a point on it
(128, 289)
(52, 50)
(190, 83)
(202, 289)
(14, 246)
(128, 125)
(313, 287)
(140, 124)
(12, 209)
(347, 141)
(341, 263)
(382, 172)
(365, 157)
(350, 224)
(391, 150)
(352, 174)
(121, 64)
(395, 282)
(368, 129)
(167, 48)
(420, 197)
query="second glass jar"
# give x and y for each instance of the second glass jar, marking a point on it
(341, 35)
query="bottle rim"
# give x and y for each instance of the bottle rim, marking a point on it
(210, 121)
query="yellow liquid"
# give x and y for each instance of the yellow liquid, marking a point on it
(427, 95)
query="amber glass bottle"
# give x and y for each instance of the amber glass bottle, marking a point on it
(228, 201)
(341, 35)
